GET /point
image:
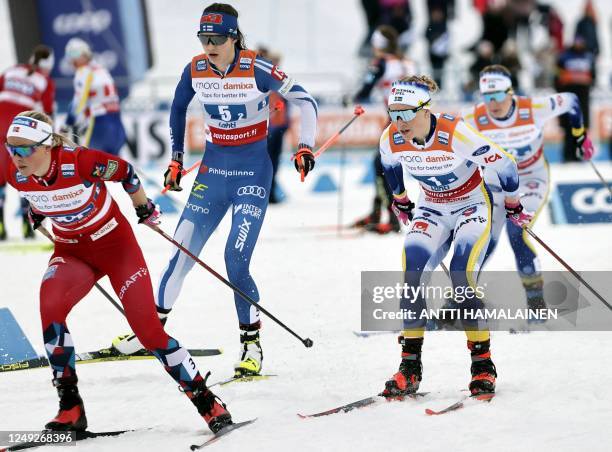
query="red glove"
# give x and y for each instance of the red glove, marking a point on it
(172, 176)
(304, 160)
(402, 208)
(516, 214)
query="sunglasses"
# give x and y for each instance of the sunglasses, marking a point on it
(25, 151)
(497, 96)
(405, 115)
(216, 40)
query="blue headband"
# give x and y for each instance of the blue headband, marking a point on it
(219, 23)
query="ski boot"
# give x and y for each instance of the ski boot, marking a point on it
(369, 220)
(407, 379)
(71, 414)
(251, 356)
(482, 369)
(210, 407)
(383, 228)
(535, 295)
(129, 344)
(26, 228)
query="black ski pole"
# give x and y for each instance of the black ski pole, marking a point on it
(307, 342)
(566, 265)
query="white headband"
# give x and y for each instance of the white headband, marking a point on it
(47, 63)
(378, 40)
(491, 82)
(31, 129)
(409, 94)
(44, 63)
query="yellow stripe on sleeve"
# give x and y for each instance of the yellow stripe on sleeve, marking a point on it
(83, 101)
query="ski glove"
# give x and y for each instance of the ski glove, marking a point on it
(36, 219)
(402, 208)
(172, 176)
(517, 215)
(304, 160)
(584, 147)
(148, 213)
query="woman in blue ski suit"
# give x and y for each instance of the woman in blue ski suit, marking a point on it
(232, 84)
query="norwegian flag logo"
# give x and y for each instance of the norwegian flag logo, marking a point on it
(278, 74)
(468, 212)
(211, 19)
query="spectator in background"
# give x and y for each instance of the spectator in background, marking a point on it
(587, 28)
(484, 58)
(24, 87)
(371, 8)
(94, 112)
(575, 74)
(510, 60)
(397, 14)
(277, 127)
(438, 37)
(555, 26)
(497, 25)
(387, 67)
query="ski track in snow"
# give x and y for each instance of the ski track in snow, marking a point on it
(552, 387)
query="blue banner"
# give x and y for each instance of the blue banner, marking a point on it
(581, 203)
(105, 25)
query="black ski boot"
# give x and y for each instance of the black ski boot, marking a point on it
(482, 369)
(71, 414)
(407, 379)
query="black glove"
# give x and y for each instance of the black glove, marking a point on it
(402, 208)
(172, 176)
(35, 218)
(304, 159)
(148, 213)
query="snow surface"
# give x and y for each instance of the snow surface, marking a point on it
(553, 388)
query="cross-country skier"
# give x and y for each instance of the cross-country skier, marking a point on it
(388, 66)
(94, 112)
(24, 87)
(516, 124)
(92, 239)
(443, 154)
(232, 84)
